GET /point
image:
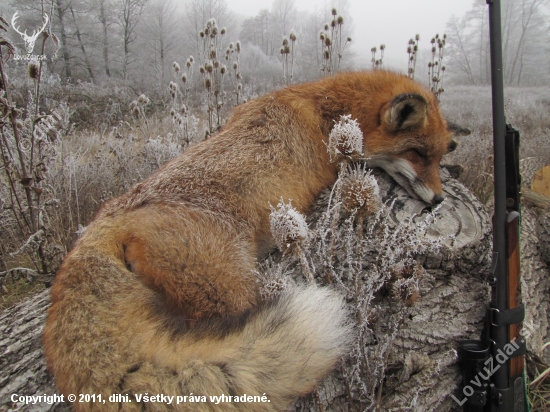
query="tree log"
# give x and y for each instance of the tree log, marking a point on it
(409, 339)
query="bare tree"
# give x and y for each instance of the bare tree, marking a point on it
(103, 16)
(283, 12)
(129, 15)
(459, 48)
(197, 13)
(525, 36)
(527, 33)
(257, 30)
(79, 36)
(61, 12)
(161, 36)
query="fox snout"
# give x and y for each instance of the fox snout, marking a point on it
(423, 186)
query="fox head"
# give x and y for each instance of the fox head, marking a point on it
(409, 142)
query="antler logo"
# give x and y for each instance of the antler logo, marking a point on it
(29, 40)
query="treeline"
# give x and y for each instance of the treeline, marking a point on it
(136, 41)
(525, 43)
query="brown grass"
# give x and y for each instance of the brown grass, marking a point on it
(526, 109)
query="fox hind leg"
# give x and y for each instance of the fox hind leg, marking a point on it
(199, 269)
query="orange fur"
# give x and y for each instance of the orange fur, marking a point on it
(159, 294)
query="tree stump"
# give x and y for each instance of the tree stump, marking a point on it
(417, 359)
(410, 338)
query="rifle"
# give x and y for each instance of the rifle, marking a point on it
(496, 361)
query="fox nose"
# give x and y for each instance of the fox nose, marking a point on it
(437, 199)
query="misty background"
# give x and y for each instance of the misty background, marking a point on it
(135, 42)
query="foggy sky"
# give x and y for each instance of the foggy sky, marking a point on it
(392, 22)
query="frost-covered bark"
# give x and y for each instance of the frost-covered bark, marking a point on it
(412, 322)
(22, 366)
(535, 282)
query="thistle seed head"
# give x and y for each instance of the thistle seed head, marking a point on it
(33, 70)
(288, 226)
(360, 192)
(345, 140)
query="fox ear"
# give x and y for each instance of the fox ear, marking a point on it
(406, 111)
(457, 130)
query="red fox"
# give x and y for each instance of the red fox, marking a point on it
(159, 295)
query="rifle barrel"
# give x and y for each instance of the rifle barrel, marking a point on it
(499, 290)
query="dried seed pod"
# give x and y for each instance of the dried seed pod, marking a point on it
(360, 192)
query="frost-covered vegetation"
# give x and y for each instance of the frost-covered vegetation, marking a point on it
(355, 246)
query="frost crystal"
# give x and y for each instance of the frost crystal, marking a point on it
(287, 225)
(345, 140)
(360, 192)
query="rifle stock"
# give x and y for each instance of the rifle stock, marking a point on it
(514, 286)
